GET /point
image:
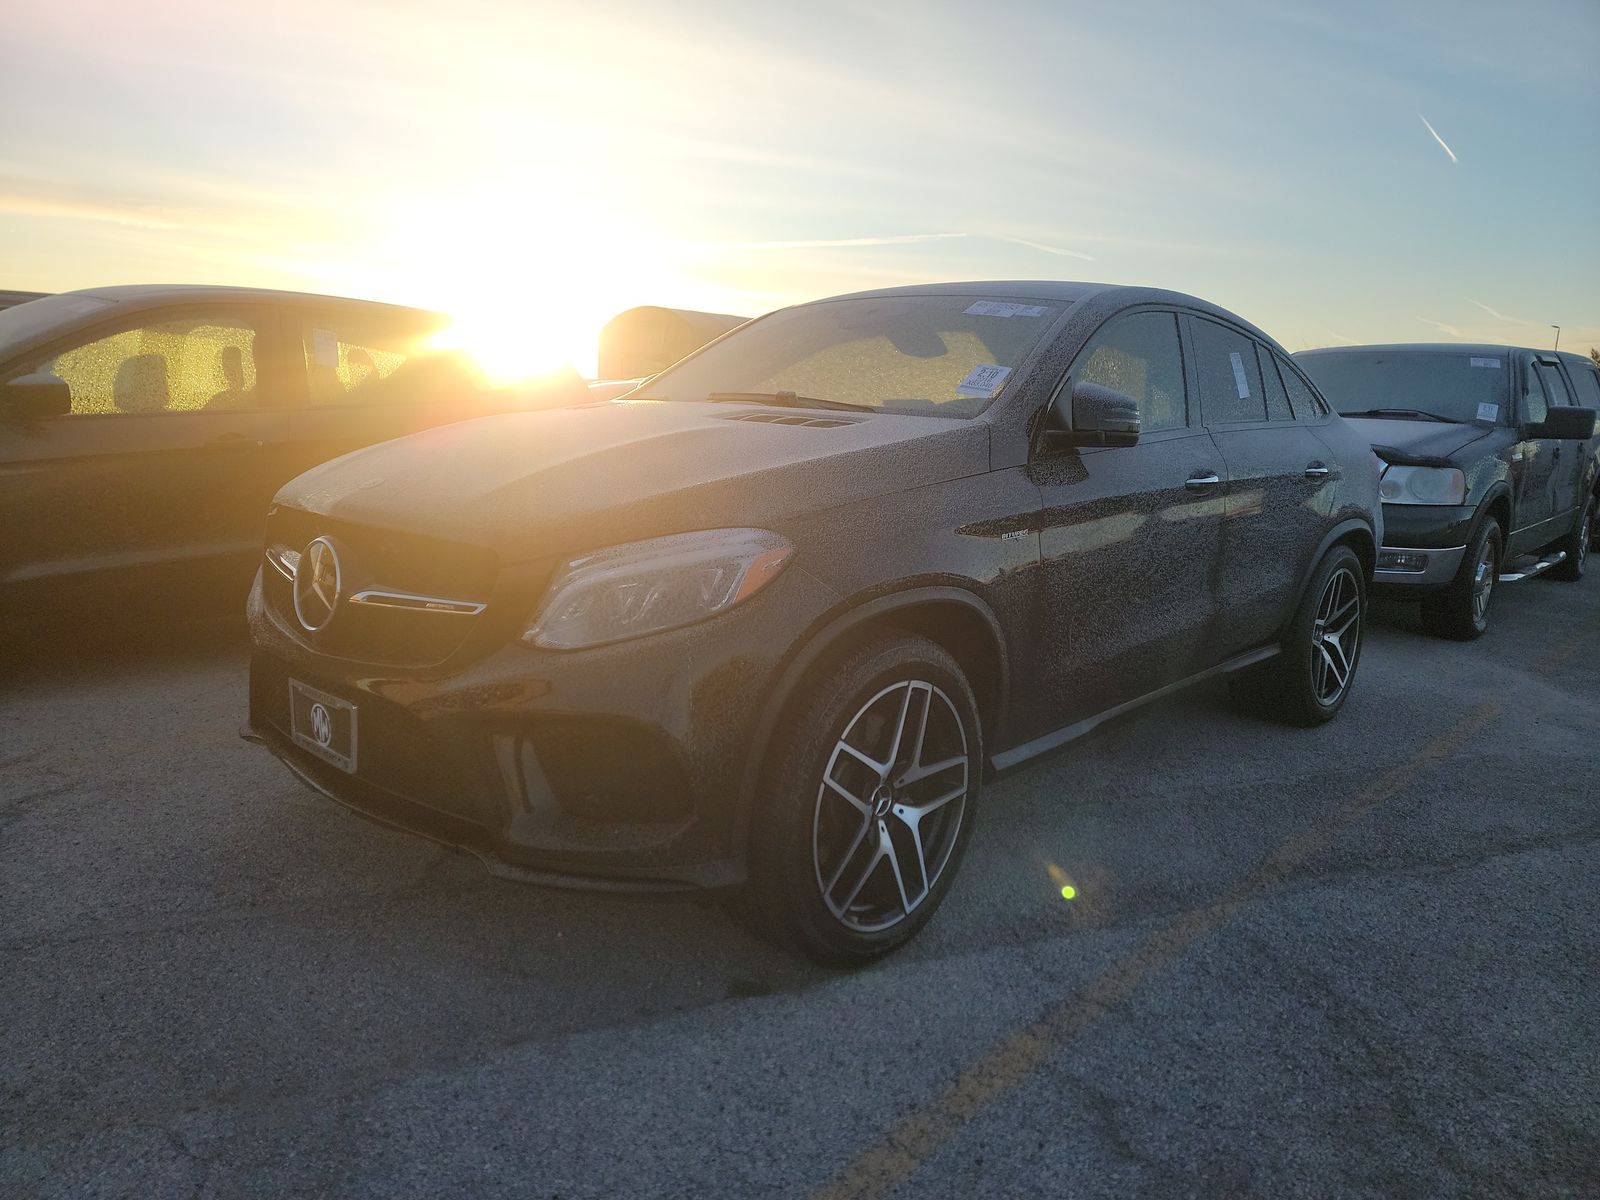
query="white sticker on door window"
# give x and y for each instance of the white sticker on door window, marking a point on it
(1489, 413)
(1485, 362)
(325, 348)
(1238, 374)
(982, 381)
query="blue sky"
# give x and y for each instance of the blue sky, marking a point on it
(545, 165)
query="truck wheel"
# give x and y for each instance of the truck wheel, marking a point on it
(1306, 684)
(868, 802)
(1461, 611)
(1576, 544)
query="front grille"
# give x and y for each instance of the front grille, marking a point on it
(379, 567)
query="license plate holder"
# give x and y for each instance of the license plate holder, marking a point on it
(323, 724)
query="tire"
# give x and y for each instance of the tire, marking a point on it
(839, 871)
(1577, 545)
(1461, 611)
(1309, 681)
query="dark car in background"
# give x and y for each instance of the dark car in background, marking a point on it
(143, 431)
(1491, 466)
(774, 618)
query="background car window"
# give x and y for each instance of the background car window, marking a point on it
(1302, 399)
(346, 361)
(1138, 355)
(1538, 407)
(1555, 388)
(1586, 381)
(1272, 388)
(1230, 380)
(200, 364)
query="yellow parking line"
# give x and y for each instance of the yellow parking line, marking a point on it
(911, 1143)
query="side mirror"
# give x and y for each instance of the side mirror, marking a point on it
(1565, 423)
(1101, 416)
(31, 397)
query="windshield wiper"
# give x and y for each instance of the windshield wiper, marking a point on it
(785, 400)
(1399, 412)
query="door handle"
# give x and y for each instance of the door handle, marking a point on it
(1317, 471)
(1200, 483)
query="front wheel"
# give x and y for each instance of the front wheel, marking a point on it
(1308, 682)
(1461, 611)
(868, 803)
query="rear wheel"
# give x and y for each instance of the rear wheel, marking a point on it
(1461, 611)
(1308, 682)
(868, 803)
(1576, 545)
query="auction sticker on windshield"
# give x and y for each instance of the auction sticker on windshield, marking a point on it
(982, 381)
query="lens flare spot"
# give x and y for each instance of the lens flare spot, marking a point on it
(1068, 892)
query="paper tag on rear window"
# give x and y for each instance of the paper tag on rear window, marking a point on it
(1489, 413)
(1005, 308)
(1485, 362)
(982, 381)
(325, 348)
(1238, 374)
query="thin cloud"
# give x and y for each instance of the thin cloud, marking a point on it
(1436, 137)
(1441, 326)
(1342, 339)
(1500, 316)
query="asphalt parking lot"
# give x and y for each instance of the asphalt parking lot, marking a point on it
(1359, 961)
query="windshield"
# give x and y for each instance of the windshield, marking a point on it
(1446, 384)
(944, 356)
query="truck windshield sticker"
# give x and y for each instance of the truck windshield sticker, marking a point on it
(1488, 413)
(982, 381)
(1238, 374)
(1486, 362)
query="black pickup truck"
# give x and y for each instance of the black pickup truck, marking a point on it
(1490, 467)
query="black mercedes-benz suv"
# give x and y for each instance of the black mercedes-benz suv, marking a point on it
(1491, 467)
(772, 619)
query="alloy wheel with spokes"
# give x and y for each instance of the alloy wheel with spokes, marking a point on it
(1336, 636)
(1484, 577)
(868, 799)
(890, 805)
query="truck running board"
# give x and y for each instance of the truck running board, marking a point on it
(1538, 568)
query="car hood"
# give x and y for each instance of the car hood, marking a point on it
(535, 483)
(1418, 439)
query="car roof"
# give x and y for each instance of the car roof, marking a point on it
(1423, 348)
(166, 293)
(1109, 296)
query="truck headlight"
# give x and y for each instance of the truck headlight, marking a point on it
(1423, 485)
(646, 587)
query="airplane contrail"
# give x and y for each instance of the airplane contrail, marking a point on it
(1437, 138)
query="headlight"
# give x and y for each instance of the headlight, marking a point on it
(1423, 485)
(646, 587)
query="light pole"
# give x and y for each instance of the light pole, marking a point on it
(1557, 328)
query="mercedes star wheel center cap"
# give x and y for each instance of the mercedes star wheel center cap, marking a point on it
(316, 585)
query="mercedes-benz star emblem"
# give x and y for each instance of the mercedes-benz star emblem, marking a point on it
(316, 585)
(321, 725)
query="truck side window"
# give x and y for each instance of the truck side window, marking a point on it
(1537, 407)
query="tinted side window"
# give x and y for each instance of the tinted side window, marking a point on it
(1555, 388)
(1538, 408)
(1272, 387)
(1586, 380)
(1230, 380)
(1305, 402)
(197, 363)
(1138, 354)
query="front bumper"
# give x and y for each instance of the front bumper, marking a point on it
(1412, 567)
(619, 767)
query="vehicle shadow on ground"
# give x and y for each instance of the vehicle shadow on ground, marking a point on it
(99, 654)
